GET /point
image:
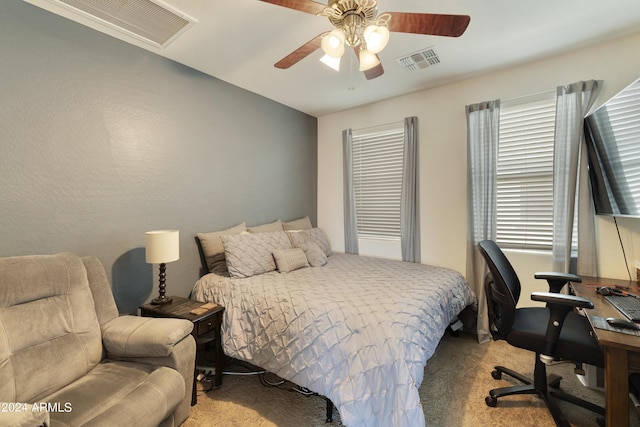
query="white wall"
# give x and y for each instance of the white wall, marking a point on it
(442, 133)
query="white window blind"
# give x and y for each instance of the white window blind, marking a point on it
(377, 179)
(525, 173)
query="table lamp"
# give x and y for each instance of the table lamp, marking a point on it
(161, 247)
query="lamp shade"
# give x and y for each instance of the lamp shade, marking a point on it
(162, 246)
(333, 43)
(331, 62)
(376, 38)
(368, 60)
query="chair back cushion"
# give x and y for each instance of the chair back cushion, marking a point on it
(502, 290)
(49, 332)
(104, 304)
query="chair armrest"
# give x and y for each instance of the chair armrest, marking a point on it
(570, 301)
(557, 280)
(133, 336)
(559, 306)
(13, 414)
(182, 359)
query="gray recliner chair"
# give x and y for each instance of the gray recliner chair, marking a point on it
(68, 359)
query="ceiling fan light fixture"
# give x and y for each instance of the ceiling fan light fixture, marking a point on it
(333, 43)
(357, 24)
(368, 60)
(332, 62)
(376, 37)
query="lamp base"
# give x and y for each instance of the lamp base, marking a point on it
(161, 300)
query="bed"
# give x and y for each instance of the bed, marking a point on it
(358, 330)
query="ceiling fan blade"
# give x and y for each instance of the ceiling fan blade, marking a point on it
(307, 6)
(374, 72)
(428, 23)
(300, 53)
(371, 73)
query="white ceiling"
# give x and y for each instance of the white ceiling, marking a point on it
(238, 41)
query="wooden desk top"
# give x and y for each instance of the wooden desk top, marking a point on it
(602, 308)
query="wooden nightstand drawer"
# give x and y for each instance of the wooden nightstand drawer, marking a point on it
(205, 326)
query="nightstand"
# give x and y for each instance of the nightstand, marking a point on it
(206, 328)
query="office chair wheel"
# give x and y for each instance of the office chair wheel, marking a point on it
(497, 375)
(491, 401)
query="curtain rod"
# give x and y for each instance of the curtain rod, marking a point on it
(382, 126)
(531, 95)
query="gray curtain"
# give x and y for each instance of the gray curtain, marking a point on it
(410, 203)
(483, 121)
(570, 179)
(350, 226)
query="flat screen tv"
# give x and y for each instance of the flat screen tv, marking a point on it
(612, 134)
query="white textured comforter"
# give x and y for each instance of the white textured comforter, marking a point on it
(358, 330)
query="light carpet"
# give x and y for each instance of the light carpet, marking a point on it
(456, 381)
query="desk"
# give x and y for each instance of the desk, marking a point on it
(621, 351)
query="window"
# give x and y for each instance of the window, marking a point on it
(525, 173)
(377, 180)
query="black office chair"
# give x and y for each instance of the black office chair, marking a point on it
(555, 332)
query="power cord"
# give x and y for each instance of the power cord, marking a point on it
(626, 263)
(269, 379)
(239, 367)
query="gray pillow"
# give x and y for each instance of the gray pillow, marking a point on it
(250, 254)
(213, 250)
(290, 259)
(315, 235)
(314, 254)
(266, 228)
(298, 224)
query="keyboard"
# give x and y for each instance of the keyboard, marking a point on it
(629, 307)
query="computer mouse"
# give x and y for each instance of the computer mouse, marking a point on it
(622, 323)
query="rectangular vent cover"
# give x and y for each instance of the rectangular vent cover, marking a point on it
(149, 20)
(419, 60)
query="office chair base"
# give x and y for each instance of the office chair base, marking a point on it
(540, 386)
(553, 380)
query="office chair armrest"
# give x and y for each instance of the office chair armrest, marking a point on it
(569, 301)
(557, 280)
(559, 306)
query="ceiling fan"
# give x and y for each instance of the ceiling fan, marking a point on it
(357, 24)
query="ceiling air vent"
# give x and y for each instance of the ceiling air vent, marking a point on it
(419, 60)
(148, 20)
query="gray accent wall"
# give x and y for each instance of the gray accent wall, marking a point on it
(102, 141)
